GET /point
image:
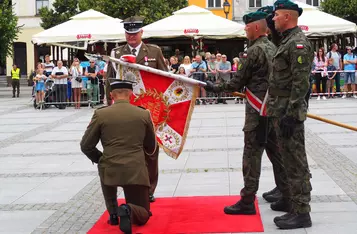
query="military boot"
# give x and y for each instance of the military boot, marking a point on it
(124, 212)
(240, 208)
(294, 220)
(273, 195)
(281, 205)
(113, 220)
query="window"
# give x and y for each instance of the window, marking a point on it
(313, 2)
(40, 4)
(255, 3)
(215, 3)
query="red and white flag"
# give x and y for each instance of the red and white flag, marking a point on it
(170, 99)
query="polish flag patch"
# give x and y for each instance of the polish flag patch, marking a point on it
(299, 46)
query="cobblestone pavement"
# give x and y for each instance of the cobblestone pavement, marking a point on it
(48, 186)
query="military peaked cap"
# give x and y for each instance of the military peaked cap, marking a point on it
(133, 24)
(254, 16)
(287, 5)
(267, 9)
(126, 83)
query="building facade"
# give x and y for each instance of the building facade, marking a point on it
(24, 51)
(215, 6)
(241, 7)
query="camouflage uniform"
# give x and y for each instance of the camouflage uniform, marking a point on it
(253, 73)
(288, 85)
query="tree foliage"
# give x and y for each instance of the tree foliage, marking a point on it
(61, 12)
(152, 10)
(346, 9)
(8, 30)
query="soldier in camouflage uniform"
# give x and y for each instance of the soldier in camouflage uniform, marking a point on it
(288, 85)
(274, 194)
(253, 73)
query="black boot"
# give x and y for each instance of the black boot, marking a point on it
(113, 220)
(125, 222)
(294, 220)
(281, 205)
(152, 198)
(273, 195)
(240, 208)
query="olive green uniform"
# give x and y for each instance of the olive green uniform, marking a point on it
(151, 56)
(126, 133)
(289, 83)
(254, 73)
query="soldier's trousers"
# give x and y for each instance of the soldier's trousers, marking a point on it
(152, 163)
(252, 158)
(296, 166)
(136, 196)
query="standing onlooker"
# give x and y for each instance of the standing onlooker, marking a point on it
(48, 66)
(174, 65)
(320, 63)
(178, 56)
(15, 80)
(212, 74)
(235, 67)
(337, 62)
(60, 74)
(224, 73)
(224, 69)
(40, 86)
(92, 86)
(198, 69)
(182, 71)
(235, 64)
(331, 77)
(186, 65)
(350, 61)
(76, 72)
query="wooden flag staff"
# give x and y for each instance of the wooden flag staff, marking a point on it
(314, 117)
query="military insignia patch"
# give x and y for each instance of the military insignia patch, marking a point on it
(299, 46)
(299, 60)
(240, 67)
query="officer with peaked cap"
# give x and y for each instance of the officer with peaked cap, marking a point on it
(128, 137)
(147, 55)
(287, 107)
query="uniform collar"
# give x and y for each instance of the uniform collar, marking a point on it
(258, 39)
(287, 32)
(137, 48)
(121, 101)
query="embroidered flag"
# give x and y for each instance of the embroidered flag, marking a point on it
(299, 46)
(169, 98)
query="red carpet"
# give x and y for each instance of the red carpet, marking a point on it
(189, 215)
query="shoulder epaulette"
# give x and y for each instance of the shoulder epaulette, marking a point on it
(152, 45)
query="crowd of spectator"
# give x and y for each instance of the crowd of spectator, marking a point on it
(69, 83)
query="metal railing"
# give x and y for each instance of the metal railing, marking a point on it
(62, 94)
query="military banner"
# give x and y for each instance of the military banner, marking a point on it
(170, 99)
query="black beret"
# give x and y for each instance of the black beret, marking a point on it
(254, 16)
(287, 5)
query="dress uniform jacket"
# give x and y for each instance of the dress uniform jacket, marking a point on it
(151, 53)
(126, 133)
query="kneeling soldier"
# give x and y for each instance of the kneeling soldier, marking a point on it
(127, 135)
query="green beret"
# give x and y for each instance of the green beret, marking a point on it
(267, 9)
(254, 16)
(287, 5)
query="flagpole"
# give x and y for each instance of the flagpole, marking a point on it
(157, 71)
(316, 117)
